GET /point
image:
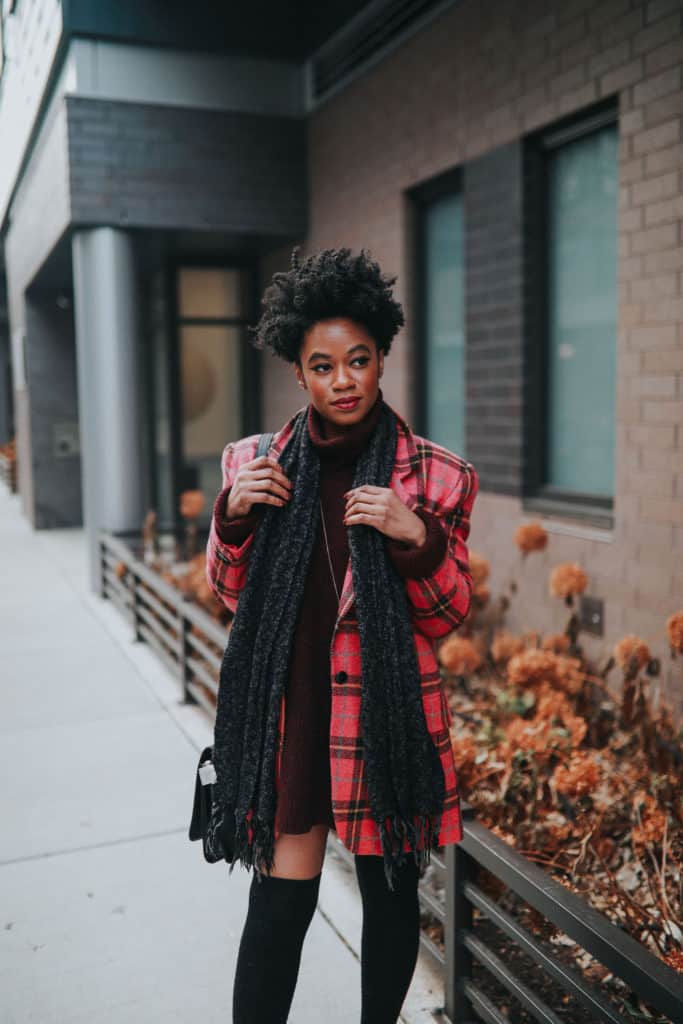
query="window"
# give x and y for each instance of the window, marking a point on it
(202, 377)
(212, 314)
(578, 274)
(440, 369)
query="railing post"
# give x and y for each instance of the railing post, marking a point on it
(458, 919)
(183, 652)
(103, 581)
(136, 600)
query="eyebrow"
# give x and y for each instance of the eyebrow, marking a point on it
(324, 355)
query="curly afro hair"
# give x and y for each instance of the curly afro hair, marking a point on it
(329, 283)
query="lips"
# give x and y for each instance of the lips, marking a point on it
(347, 403)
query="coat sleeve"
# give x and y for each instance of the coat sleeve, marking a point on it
(414, 562)
(440, 601)
(229, 543)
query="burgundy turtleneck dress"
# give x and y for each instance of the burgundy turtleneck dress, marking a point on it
(304, 797)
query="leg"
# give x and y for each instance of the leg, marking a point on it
(281, 907)
(390, 937)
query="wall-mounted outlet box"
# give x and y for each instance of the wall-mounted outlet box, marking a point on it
(65, 439)
(591, 617)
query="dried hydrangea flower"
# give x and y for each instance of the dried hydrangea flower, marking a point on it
(579, 777)
(531, 537)
(458, 655)
(567, 579)
(630, 647)
(674, 629)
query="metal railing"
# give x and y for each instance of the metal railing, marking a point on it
(186, 638)
(645, 974)
(191, 644)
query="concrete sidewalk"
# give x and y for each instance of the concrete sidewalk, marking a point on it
(108, 912)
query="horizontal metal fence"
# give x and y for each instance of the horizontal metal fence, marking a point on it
(185, 637)
(191, 644)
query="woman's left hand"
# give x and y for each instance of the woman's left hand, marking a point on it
(382, 508)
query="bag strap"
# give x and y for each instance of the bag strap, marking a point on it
(264, 444)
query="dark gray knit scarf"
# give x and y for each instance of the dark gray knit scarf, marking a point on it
(403, 768)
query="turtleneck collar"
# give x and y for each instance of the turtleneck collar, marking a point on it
(347, 446)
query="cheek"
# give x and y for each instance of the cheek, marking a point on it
(316, 386)
(370, 374)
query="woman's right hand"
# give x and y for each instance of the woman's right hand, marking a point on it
(260, 480)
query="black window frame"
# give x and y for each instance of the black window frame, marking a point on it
(537, 496)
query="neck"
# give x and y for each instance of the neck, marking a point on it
(331, 430)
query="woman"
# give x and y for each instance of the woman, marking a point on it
(342, 553)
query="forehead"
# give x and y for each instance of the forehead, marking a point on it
(335, 335)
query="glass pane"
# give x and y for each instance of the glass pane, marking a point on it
(211, 412)
(445, 323)
(582, 304)
(209, 291)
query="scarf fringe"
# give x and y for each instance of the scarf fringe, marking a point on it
(422, 834)
(257, 851)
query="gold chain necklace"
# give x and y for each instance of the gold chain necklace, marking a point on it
(327, 548)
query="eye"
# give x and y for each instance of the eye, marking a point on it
(324, 367)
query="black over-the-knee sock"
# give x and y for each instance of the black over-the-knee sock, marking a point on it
(390, 937)
(280, 911)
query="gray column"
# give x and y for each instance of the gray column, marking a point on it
(109, 386)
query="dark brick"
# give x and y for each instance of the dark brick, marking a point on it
(171, 167)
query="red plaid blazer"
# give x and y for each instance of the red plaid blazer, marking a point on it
(426, 475)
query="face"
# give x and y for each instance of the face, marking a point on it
(340, 362)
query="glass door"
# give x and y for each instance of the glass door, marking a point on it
(212, 309)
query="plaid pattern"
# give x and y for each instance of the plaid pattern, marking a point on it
(426, 475)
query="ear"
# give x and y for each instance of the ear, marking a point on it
(380, 361)
(299, 375)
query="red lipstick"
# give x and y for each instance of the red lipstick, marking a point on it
(346, 403)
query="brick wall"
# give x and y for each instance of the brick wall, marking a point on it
(477, 80)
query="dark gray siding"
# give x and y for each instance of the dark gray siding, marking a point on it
(145, 165)
(494, 253)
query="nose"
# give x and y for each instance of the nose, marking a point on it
(341, 378)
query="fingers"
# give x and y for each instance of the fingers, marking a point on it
(265, 466)
(270, 484)
(361, 506)
(265, 497)
(265, 475)
(369, 488)
(367, 496)
(355, 518)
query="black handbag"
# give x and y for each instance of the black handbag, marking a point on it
(201, 813)
(219, 845)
